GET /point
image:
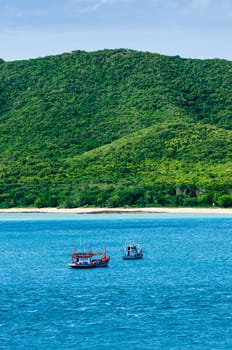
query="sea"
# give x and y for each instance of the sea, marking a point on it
(179, 296)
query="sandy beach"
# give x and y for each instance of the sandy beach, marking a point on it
(222, 211)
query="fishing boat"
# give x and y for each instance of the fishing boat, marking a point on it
(89, 259)
(132, 251)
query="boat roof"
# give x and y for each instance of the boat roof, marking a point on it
(85, 254)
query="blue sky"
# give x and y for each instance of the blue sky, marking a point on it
(189, 28)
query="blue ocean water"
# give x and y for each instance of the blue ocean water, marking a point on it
(178, 297)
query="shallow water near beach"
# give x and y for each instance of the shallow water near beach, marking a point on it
(178, 297)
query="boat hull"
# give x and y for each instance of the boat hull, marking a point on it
(132, 257)
(88, 266)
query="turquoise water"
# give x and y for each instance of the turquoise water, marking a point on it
(178, 297)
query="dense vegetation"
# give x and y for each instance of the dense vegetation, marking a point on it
(115, 128)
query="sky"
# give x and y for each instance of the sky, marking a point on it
(188, 28)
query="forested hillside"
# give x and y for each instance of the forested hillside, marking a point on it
(115, 128)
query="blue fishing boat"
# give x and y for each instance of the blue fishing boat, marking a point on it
(132, 251)
(88, 259)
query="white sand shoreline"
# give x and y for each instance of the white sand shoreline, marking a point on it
(120, 210)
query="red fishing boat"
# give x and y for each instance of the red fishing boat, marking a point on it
(89, 259)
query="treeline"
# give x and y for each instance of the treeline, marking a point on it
(158, 196)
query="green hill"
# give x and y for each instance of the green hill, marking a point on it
(115, 128)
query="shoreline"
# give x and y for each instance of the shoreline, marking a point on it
(153, 210)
